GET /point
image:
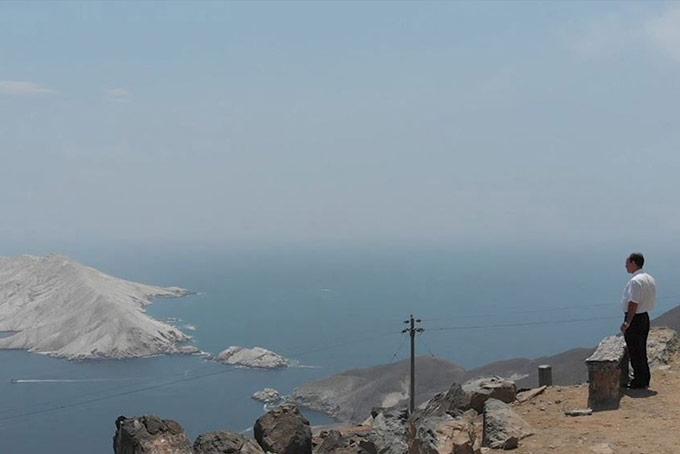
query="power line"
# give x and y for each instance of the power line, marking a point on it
(422, 339)
(506, 325)
(340, 344)
(111, 396)
(111, 389)
(401, 345)
(534, 311)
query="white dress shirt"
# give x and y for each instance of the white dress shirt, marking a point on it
(640, 289)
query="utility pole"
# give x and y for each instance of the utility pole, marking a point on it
(412, 332)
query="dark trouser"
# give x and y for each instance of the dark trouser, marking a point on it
(636, 341)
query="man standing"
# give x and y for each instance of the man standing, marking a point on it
(638, 300)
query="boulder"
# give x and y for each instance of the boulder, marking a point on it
(662, 343)
(490, 388)
(284, 430)
(336, 443)
(444, 435)
(453, 402)
(389, 431)
(225, 443)
(256, 357)
(149, 434)
(503, 428)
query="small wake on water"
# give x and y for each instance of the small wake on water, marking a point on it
(68, 380)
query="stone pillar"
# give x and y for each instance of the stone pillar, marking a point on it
(607, 373)
(544, 375)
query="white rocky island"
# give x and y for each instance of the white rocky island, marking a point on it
(56, 306)
(257, 357)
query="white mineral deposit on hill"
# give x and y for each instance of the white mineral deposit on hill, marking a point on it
(56, 306)
(252, 357)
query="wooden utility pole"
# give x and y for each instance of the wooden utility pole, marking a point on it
(412, 332)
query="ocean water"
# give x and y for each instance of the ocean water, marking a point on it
(329, 310)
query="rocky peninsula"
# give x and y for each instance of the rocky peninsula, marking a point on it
(58, 307)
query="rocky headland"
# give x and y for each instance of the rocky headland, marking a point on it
(58, 307)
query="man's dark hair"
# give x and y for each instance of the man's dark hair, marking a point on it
(637, 258)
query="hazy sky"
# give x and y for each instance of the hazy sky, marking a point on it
(339, 123)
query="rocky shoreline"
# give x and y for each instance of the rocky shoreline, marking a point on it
(489, 414)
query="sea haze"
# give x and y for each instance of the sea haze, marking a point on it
(329, 311)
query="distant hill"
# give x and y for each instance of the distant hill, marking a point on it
(568, 368)
(59, 307)
(350, 395)
(669, 318)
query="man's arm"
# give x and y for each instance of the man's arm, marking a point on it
(630, 313)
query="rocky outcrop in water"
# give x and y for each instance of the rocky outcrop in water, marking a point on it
(267, 395)
(257, 357)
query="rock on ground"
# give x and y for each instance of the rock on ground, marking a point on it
(225, 443)
(453, 402)
(502, 426)
(444, 435)
(662, 343)
(284, 430)
(256, 357)
(336, 443)
(149, 434)
(491, 388)
(389, 430)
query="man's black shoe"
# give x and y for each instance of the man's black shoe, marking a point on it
(634, 385)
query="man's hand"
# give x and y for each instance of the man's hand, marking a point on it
(630, 313)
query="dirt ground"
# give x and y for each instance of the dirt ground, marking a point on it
(647, 422)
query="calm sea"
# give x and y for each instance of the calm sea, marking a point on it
(329, 311)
